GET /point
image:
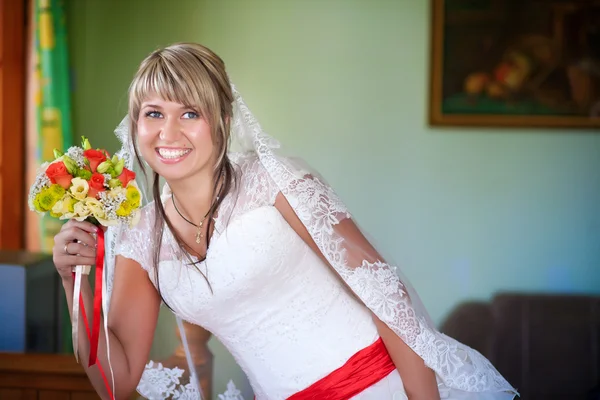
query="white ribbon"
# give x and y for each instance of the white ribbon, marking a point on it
(79, 270)
(105, 295)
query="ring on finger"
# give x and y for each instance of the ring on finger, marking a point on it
(66, 249)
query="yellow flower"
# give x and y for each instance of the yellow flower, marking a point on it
(64, 207)
(57, 191)
(79, 188)
(133, 195)
(43, 201)
(81, 211)
(47, 198)
(95, 208)
(125, 209)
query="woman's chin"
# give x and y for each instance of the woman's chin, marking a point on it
(177, 169)
(171, 171)
(173, 174)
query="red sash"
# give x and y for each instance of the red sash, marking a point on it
(361, 371)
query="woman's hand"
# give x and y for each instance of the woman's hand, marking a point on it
(75, 244)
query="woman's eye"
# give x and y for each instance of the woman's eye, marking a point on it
(153, 114)
(191, 115)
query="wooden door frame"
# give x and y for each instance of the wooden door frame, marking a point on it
(12, 123)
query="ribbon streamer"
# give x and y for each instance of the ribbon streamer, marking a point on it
(78, 304)
(75, 318)
(97, 298)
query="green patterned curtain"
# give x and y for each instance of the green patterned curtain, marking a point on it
(53, 106)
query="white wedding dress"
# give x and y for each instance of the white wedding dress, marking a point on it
(285, 316)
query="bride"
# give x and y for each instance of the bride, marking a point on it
(258, 249)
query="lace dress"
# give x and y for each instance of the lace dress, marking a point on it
(285, 316)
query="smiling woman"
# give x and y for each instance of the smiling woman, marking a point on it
(256, 248)
(168, 133)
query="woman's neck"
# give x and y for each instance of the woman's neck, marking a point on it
(195, 196)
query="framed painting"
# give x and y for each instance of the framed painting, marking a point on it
(520, 63)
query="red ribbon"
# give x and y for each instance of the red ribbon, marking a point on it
(97, 298)
(94, 335)
(361, 371)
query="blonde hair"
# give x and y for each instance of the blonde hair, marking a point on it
(192, 75)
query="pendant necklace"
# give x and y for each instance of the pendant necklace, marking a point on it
(199, 234)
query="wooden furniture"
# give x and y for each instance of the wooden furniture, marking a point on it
(37, 376)
(545, 345)
(198, 339)
(43, 377)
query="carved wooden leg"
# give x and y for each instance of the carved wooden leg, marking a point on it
(203, 359)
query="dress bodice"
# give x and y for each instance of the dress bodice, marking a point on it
(285, 316)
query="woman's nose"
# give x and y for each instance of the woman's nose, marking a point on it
(171, 130)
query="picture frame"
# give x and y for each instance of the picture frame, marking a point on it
(515, 63)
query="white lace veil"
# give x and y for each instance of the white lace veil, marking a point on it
(379, 285)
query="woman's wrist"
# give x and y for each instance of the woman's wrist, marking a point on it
(67, 281)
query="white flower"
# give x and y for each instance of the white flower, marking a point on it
(76, 154)
(97, 210)
(81, 211)
(41, 182)
(117, 192)
(79, 188)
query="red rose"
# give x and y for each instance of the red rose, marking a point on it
(57, 173)
(95, 157)
(126, 176)
(96, 184)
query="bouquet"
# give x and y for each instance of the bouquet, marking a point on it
(87, 184)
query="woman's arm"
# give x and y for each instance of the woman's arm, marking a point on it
(133, 313)
(419, 380)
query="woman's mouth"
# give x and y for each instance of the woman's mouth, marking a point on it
(172, 155)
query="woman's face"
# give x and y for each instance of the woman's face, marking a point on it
(175, 140)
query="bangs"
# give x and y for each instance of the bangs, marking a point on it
(188, 84)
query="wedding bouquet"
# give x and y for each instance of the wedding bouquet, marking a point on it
(86, 184)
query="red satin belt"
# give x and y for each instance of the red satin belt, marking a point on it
(361, 371)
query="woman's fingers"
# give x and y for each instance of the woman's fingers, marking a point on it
(80, 249)
(83, 225)
(76, 234)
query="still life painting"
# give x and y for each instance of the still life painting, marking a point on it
(532, 63)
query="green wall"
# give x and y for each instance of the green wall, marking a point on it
(343, 83)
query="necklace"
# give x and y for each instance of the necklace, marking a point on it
(199, 234)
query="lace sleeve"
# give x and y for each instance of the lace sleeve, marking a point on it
(256, 187)
(379, 284)
(137, 243)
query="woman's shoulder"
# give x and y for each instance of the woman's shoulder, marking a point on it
(147, 215)
(253, 180)
(246, 162)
